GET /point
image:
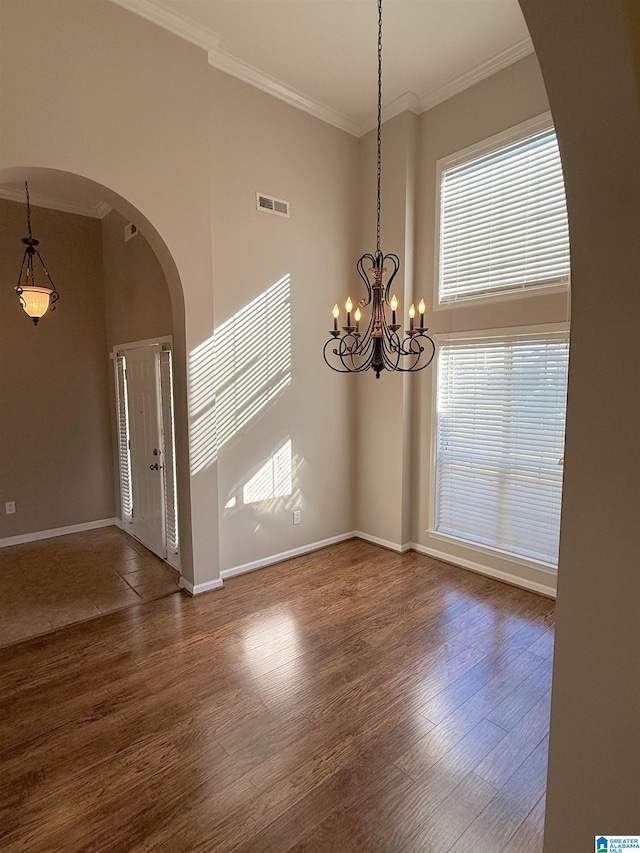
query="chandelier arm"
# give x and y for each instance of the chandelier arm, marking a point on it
(367, 333)
(364, 353)
(392, 352)
(417, 351)
(345, 357)
(363, 275)
(395, 260)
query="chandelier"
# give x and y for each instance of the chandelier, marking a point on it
(35, 300)
(378, 344)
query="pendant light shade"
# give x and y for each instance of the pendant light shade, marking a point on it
(34, 299)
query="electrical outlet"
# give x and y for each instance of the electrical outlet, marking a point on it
(296, 516)
(10, 507)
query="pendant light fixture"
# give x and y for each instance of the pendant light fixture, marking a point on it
(35, 300)
(378, 346)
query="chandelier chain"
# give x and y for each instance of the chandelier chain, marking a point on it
(379, 123)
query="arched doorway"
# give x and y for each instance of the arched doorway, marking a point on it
(59, 417)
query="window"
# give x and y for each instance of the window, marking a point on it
(499, 442)
(503, 219)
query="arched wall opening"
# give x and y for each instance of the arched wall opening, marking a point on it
(71, 348)
(589, 56)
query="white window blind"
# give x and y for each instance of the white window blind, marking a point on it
(170, 480)
(503, 221)
(500, 443)
(124, 458)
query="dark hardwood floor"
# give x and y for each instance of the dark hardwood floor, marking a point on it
(350, 700)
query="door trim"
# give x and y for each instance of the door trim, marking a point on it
(164, 342)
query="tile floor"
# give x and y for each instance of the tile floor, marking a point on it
(54, 582)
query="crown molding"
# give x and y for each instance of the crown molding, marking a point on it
(173, 22)
(254, 77)
(408, 102)
(420, 104)
(485, 69)
(98, 211)
(229, 64)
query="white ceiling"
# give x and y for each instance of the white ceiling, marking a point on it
(321, 55)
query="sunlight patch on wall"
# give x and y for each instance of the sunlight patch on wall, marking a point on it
(235, 373)
(252, 358)
(273, 480)
(202, 396)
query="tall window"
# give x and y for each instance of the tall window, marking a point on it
(503, 219)
(501, 395)
(500, 440)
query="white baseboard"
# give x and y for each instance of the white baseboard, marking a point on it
(285, 555)
(507, 577)
(183, 583)
(57, 531)
(384, 543)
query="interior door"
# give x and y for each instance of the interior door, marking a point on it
(145, 438)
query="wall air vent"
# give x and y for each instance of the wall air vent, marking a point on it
(130, 231)
(269, 204)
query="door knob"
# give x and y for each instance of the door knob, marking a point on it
(153, 467)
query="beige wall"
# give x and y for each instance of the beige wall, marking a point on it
(55, 443)
(181, 151)
(136, 295)
(314, 167)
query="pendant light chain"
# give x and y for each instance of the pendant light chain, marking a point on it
(379, 122)
(26, 189)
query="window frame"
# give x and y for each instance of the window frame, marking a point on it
(502, 335)
(511, 136)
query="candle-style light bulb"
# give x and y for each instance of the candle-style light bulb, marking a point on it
(336, 314)
(422, 308)
(358, 316)
(394, 305)
(349, 307)
(412, 314)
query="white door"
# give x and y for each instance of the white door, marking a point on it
(145, 442)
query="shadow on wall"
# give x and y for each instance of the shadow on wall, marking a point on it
(238, 371)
